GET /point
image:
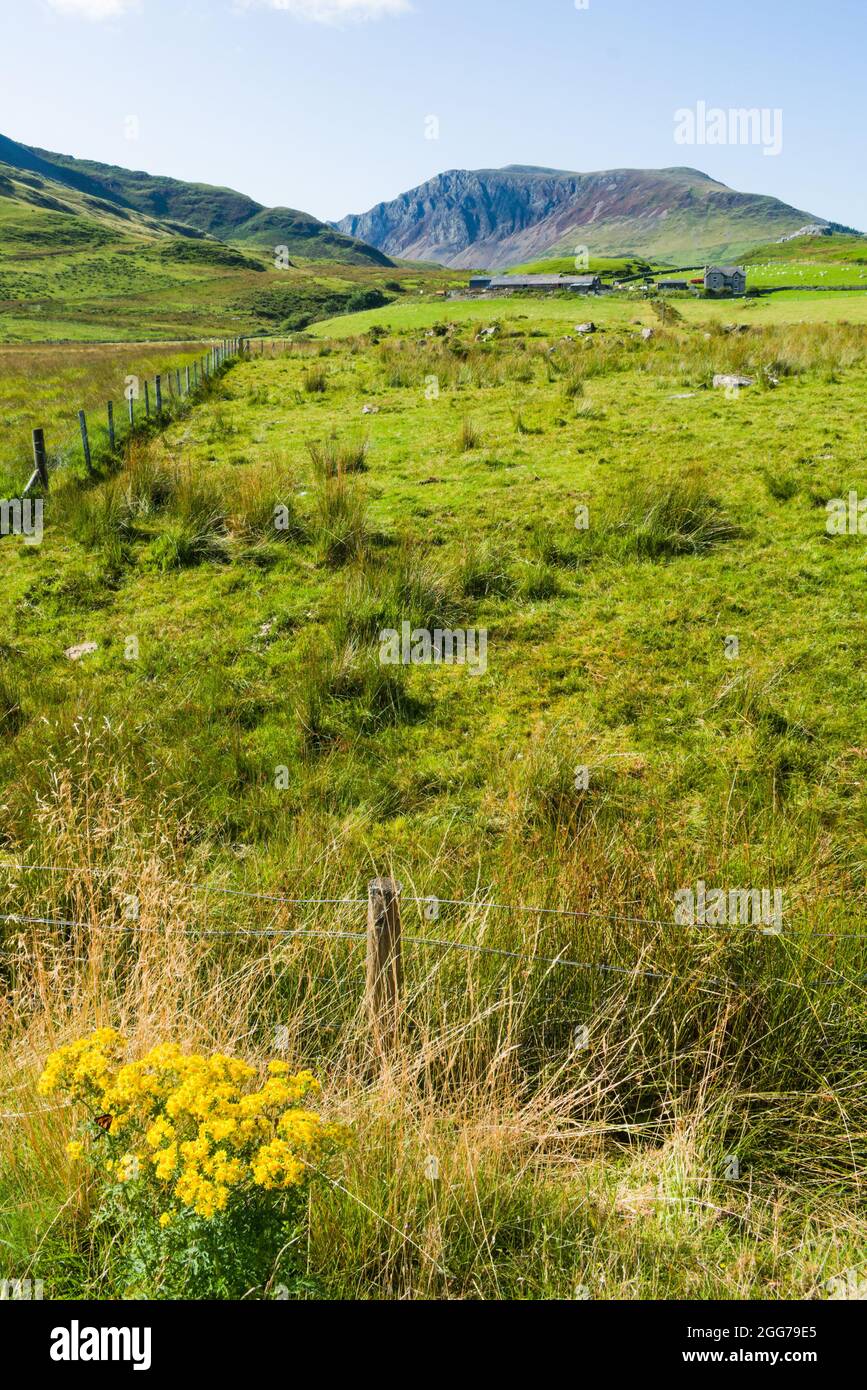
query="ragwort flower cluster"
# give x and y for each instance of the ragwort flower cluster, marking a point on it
(201, 1131)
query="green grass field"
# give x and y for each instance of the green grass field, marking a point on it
(561, 314)
(250, 738)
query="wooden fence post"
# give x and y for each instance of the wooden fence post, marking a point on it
(130, 402)
(188, 380)
(39, 460)
(111, 425)
(178, 377)
(147, 401)
(158, 383)
(384, 962)
(85, 442)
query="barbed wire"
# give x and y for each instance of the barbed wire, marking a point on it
(19, 919)
(480, 948)
(472, 904)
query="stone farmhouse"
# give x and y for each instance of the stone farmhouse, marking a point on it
(725, 279)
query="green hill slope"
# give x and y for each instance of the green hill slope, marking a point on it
(190, 208)
(76, 264)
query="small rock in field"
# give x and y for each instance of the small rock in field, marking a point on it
(682, 396)
(370, 410)
(646, 333)
(724, 379)
(83, 649)
(585, 328)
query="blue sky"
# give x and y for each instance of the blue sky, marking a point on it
(324, 104)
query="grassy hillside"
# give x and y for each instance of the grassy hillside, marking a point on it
(582, 1081)
(220, 212)
(722, 226)
(606, 266)
(828, 261)
(73, 267)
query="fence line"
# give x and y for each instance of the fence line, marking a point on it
(205, 368)
(473, 904)
(603, 967)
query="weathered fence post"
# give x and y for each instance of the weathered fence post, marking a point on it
(158, 383)
(40, 462)
(85, 442)
(188, 380)
(147, 401)
(178, 377)
(130, 402)
(384, 961)
(111, 425)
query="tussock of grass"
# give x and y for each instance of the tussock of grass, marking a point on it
(670, 518)
(485, 570)
(340, 521)
(262, 507)
(470, 436)
(315, 381)
(11, 714)
(346, 689)
(408, 588)
(336, 457)
(195, 532)
(781, 484)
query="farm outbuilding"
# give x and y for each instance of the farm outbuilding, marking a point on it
(546, 284)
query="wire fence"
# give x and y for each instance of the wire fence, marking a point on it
(470, 905)
(146, 402)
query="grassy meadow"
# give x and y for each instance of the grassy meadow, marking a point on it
(594, 1102)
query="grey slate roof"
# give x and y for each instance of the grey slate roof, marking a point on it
(541, 282)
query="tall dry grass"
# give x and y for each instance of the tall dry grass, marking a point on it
(539, 1088)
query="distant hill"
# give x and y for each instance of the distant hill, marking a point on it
(496, 218)
(173, 207)
(839, 246)
(77, 264)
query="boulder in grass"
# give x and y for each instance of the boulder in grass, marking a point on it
(647, 334)
(83, 649)
(585, 328)
(730, 381)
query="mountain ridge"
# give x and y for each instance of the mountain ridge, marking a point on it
(495, 218)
